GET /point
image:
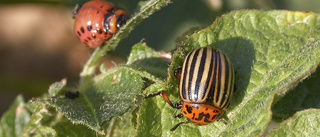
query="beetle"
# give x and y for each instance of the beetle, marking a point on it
(206, 84)
(72, 95)
(97, 21)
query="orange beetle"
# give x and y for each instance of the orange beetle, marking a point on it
(96, 21)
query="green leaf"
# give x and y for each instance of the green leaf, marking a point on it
(121, 127)
(270, 50)
(305, 95)
(110, 95)
(45, 121)
(14, 120)
(39, 122)
(146, 59)
(56, 88)
(305, 123)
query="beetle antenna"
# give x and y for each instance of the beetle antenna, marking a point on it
(177, 125)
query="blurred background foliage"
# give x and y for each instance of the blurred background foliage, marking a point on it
(38, 47)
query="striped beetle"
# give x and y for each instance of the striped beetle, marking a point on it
(206, 86)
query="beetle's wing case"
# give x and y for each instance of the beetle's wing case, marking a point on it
(207, 77)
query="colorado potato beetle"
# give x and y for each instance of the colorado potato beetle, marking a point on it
(206, 82)
(96, 21)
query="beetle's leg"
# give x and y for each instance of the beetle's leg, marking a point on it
(75, 11)
(177, 73)
(178, 116)
(177, 125)
(166, 98)
(153, 95)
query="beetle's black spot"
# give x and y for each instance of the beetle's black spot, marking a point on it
(82, 29)
(89, 27)
(206, 109)
(93, 36)
(99, 31)
(193, 115)
(101, 6)
(189, 109)
(206, 117)
(213, 117)
(79, 34)
(72, 95)
(184, 112)
(88, 38)
(85, 41)
(98, 11)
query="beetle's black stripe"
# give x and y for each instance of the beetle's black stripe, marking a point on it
(229, 85)
(206, 76)
(209, 79)
(230, 81)
(218, 82)
(224, 83)
(183, 83)
(227, 90)
(191, 81)
(211, 87)
(222, 89)
(199, 92)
